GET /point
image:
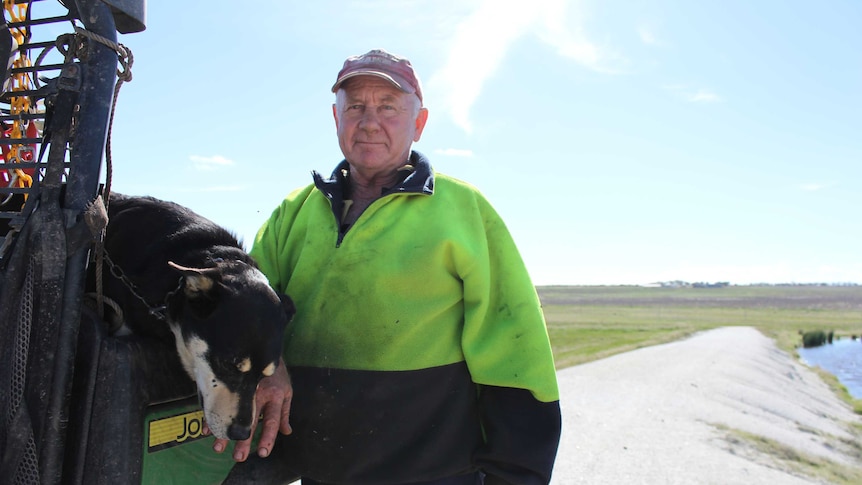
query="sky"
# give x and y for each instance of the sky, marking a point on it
(623, 142)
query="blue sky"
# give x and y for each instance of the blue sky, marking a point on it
(624, 142)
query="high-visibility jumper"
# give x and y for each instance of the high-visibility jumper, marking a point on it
(419, 349)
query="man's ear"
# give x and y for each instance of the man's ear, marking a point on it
(335, 115)
(421, 119)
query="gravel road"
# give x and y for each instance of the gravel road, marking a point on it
(663, 414)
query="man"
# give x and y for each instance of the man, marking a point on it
(419, 352)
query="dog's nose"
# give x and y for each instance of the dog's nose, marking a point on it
(238, 432)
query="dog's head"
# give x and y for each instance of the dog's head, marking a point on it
(229, 325)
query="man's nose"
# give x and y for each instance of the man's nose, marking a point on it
(370, 119)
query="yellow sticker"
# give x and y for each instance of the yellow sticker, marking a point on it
(175, 430)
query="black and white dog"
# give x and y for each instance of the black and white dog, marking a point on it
(178, 276)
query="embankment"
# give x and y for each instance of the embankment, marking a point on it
(724, 406)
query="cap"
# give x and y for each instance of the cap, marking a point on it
(382, 64)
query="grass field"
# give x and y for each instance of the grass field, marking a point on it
(591, 322)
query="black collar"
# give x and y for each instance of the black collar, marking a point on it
(419, 179)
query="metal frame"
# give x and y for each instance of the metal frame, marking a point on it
(44, 258)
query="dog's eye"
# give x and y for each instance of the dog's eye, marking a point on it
(244, 365)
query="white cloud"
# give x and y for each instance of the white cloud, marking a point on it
(703, 96)
(454, 152)
(558, 30)
(210, 163)
(687, 93)
(648, 37)
(482, 40)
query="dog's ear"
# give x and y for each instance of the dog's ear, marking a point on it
(198, 281)
(197, 291)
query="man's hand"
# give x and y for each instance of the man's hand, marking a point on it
(273, 398)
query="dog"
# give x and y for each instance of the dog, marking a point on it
(176, 275)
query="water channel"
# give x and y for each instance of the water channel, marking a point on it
(842, 358)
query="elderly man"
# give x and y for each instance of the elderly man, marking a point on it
(419, 352)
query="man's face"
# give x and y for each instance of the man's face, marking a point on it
(376, 123)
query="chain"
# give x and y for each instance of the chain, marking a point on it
(158, 312)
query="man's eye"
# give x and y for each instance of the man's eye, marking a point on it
(388, 111)
(355, 107)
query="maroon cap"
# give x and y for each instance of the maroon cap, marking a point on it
(384, 65)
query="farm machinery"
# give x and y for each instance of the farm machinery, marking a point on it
(78, 404)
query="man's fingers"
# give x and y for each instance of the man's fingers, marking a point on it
(220, 445)
(267, 435)
(242, 449)
(273, 395)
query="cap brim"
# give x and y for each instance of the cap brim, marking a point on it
(396, 81)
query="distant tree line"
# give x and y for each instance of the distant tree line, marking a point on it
(805, 284)
(720, 284)
(723, 284)
(699, 284)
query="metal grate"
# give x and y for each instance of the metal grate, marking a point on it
(30, 37)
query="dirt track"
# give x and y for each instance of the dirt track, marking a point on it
(662, 414)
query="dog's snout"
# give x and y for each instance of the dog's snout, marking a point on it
(238, 432)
